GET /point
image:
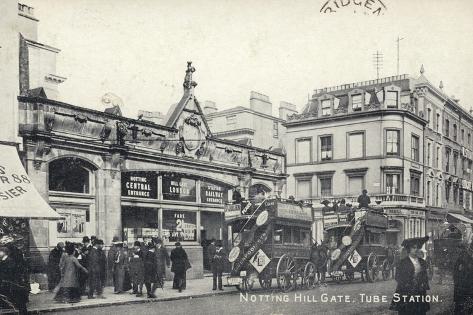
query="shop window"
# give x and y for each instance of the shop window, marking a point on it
(179, 226)
(326, 107)
(428, 193)
(70, 175)
(463, 136)
(454, 132)
(326, 148)
(303, 150)
(415, 148)
(391, 99)
(392, 142)
(393, 183)
(356, 101)
(72, 223)
(437, 123)
(447, 128)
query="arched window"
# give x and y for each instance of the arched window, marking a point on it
(258, 192)
(70, 175)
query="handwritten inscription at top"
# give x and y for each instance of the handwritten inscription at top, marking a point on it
(374, 7)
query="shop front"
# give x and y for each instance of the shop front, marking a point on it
(175, 207)
(404, 223)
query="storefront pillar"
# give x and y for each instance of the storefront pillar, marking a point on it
(198, 223)
(109, 218)
(160, 222)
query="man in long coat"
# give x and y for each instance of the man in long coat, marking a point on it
(54, 273)
(96, 269)
(218, 265)
(162, 261)
(119, 269)
(412, 279)
(11, 284)
(112, 252)
(180, 264)
(463, 282)
(151, 271)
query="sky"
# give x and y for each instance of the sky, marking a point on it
(138, 49)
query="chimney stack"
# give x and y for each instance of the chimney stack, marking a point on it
(210, 107)
(286, 109)
(260, 103)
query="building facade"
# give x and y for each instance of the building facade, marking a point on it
(109, 176)
(255, 125)
(448, 158)
(365, 135)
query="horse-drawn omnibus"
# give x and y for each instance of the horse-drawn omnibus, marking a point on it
(271, 241)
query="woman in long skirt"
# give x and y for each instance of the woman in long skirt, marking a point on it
(69, 291)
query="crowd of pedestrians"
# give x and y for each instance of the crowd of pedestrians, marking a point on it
(79, 269)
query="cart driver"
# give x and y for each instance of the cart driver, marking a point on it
(364, 199)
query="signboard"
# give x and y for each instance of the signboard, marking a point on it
(294, 211)
(260, 260)
(213, 193)
(179, 226)
(179, 188)
(405, 212)
(140, 185)
(72, 223)
(376, 220)
(334, 219)
(354, 258)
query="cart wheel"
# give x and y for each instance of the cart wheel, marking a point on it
(265, 279)
(285, 271)
(386, 270)
(309, 278)
(371, 267)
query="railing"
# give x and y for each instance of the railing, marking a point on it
(383, 199)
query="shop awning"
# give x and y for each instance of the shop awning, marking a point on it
(18, 196)
(461, 217)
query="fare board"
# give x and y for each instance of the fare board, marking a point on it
(179, 226)
(139, 185)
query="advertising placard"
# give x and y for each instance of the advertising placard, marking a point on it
(139, 185)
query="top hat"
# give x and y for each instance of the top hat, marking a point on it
(137, 243)
(177, 244)
(418, 241)
(218, 243)
(85, 239)
(116, 240)
(325, 202)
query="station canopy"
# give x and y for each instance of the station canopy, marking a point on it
(18, 196)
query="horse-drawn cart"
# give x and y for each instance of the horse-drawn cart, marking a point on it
(271, 240)
(357, 243)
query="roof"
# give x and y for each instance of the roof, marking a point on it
(37, 92)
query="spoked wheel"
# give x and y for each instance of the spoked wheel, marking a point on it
(248, 283)
(285, 273)
(309, 279)
(386, 270)
(372, 268)
(265, 279)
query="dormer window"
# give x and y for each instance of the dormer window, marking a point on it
(391, 100)
(356, 101)
(326, 107)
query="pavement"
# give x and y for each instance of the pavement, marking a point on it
(43, 302)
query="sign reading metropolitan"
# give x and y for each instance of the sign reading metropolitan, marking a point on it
(140, 185)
